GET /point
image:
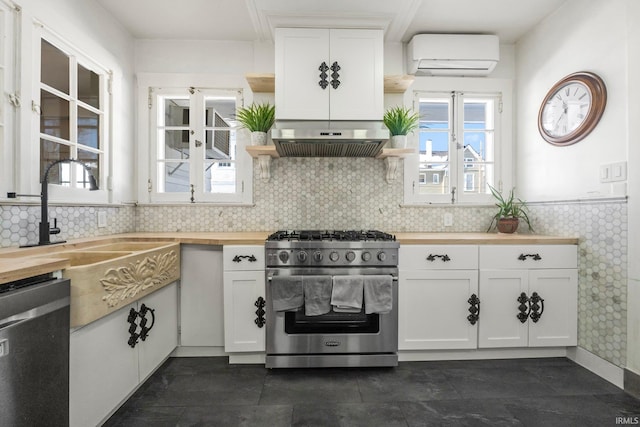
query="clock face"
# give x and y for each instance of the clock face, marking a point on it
(566, 110)
(572, 108)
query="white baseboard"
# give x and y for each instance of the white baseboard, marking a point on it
(198, 352)
(252, 358)
(607, 370)
(479, 354)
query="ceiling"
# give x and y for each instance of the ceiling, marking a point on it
(252, 20)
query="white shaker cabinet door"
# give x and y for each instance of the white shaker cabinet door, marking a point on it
(499, 324)
(299, 54)
(433, 309)
(242, 289)
(360, 95)
(557, 323)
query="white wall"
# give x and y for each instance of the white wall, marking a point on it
(89, 28)
(582, 35)
(633, 289)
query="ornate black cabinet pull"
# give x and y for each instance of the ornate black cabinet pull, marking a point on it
(535, 257)
(335, 75)
(524, 308)
(433, 257)
(144, 332)
(260, 302)
(474, 309)
(250, 258)
(133, 326)
(536, 303)
(323, 75)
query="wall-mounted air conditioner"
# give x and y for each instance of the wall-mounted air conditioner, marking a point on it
(452, 54)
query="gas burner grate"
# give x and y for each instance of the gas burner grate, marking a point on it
(341, 235)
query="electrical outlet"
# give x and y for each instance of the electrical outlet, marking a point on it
(448, 220)
(102, 219)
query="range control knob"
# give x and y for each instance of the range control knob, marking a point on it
(366, 256)
(350, 255)
(317, 256)
(302, 256)
(333, 256)
(284, 256)
(382, 256)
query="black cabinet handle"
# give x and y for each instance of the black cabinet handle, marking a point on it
(537, 303)
(323, 75)
(260, 303)
(535, 257)
(524, 308)
(335, 75)
(144, 332)
(133, 327)
(474, 309)
(250, 258)
(433, 257)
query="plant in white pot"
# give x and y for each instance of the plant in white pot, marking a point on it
(258, 119)
(510, 212)
(400, 121)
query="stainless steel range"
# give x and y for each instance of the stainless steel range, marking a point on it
(331, 299)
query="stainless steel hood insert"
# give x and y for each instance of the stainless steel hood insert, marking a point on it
(346, 140)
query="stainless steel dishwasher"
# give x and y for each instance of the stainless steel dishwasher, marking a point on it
(34, 352)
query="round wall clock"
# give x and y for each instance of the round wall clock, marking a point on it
(572, 108)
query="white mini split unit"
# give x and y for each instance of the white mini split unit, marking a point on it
(452, 54)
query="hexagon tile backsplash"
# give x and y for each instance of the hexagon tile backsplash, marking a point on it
(331, 193)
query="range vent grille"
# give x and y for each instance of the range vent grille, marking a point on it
(329, 148)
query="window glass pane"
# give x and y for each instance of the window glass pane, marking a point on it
(220, 111)
(220, 177)
(82, 175)
(54, 67)
(220, 144)
(54, 115)
(88, 87)
(88, 128)
(49, 153)
(175, 112)
(479, 148)
(174, 177)
(173, 144)
(434, 143)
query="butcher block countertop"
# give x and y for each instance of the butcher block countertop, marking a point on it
(20, 263)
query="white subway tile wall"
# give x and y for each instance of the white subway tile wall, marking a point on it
(348, 193)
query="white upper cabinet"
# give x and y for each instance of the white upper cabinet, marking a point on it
(349, 88)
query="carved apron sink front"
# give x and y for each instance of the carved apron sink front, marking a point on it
(117, 278)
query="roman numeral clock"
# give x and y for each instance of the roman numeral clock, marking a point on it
(572, 108)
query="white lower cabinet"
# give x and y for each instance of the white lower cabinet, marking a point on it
(532, 300)
(105, 369)
(244, 292)
(437, 297)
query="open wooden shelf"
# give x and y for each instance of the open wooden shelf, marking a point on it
(265, 82)
(395, 152)
(262, 150)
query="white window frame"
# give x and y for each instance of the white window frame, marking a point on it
(503, 160)
(149, 85)
(58, 192)
(9, 106)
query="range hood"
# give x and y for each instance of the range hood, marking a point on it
(329, 139)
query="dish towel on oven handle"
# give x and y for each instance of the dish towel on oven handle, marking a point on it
(317, 295)
(347, 292)
(378, 295)
(286, 292)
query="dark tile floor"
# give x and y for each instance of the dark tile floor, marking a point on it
(522, 392)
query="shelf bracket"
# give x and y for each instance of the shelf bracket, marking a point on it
(391, 166)
(264, 161)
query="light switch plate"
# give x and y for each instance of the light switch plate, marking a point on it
(613, 172)
(448, 220)
(102, 219)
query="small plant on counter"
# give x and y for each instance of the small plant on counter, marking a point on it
(510, 212)
(257, 117)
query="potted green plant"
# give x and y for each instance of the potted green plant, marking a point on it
(510, 212)
(258, 119)
(400, 121)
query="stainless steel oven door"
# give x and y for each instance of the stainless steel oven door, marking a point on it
(333, 333)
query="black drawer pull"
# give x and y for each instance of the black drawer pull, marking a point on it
(537, 303)
(260, 303)
(433, 257)
(474, 309)
(524, 308)
(535, 257)
(250, 258)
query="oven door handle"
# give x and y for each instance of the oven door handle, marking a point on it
(394, 278)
